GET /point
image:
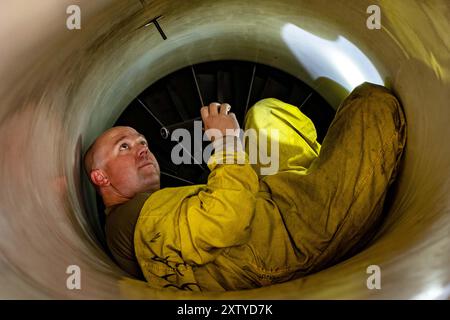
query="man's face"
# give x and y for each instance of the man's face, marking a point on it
(127, 162)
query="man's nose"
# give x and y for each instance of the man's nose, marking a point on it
(143, 152)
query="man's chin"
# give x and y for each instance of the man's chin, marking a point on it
(154, 186)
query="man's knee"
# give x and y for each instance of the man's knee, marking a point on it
(259, 109)
(374, 96)
(370, 89)
(265, 110)
(266, 103)
(372, 102)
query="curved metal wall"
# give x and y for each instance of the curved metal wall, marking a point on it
(60, 88)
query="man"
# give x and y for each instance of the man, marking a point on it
(124, 173)
(242, 230)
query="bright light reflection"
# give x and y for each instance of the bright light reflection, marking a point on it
(339, 60)
(434, 292)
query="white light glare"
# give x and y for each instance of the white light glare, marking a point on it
(433, 293)
(339, 60)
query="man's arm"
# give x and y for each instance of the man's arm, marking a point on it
(221, 215)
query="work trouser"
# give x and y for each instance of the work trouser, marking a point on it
(331, 197)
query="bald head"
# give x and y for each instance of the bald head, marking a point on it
(95, 153)
(120, 164)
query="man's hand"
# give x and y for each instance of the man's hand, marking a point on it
(218, 122)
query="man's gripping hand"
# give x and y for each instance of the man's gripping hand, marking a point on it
(218, 122)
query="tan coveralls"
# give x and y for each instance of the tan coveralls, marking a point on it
(242, 231)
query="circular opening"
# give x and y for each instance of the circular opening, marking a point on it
(175, 101)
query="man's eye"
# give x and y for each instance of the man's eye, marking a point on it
(144, 143)
(124, 146)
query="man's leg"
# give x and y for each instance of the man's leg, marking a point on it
(296, 136)
(328, 209)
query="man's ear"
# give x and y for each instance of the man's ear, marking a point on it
(99, 178)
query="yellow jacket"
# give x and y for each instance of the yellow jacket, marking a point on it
(227, 234)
